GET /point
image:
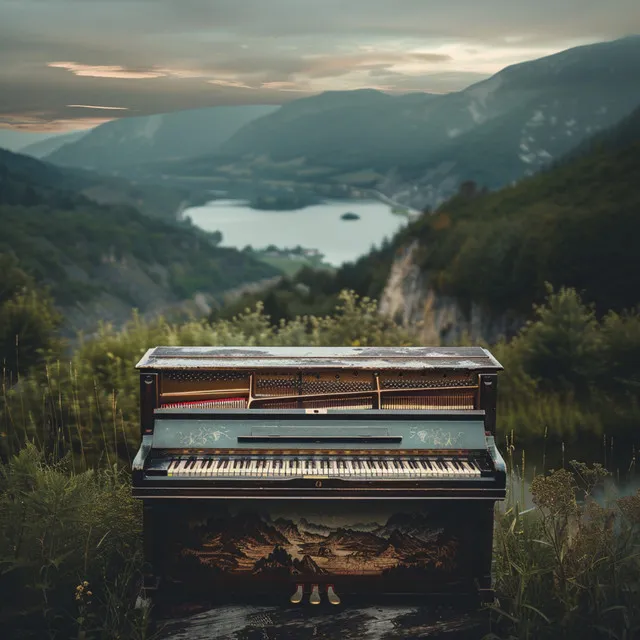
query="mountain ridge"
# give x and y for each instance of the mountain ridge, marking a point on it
(574, 224)
(130, 140)
(43, 148)
(418, 148)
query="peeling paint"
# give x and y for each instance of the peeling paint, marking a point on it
(377, 358)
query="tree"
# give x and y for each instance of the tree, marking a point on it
(29, 322)
(560, 348)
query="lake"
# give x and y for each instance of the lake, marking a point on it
(315, 227)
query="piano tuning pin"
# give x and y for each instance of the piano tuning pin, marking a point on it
(315, 595)
(296, 598)
(332, 595)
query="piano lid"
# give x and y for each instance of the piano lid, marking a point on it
(378, 358)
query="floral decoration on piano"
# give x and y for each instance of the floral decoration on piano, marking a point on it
(437, 437)
(202, 436)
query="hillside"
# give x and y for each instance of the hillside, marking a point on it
(43, 148)
(125, 142)
(21, 176)
(329, 129)
(482, 259)
(17, 139)
(419, 148)
(575, 224)
(100, 261)
(528, 116)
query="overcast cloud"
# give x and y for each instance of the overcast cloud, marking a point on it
(68, 64)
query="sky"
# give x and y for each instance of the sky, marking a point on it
(73, 64)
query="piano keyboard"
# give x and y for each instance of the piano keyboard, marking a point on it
(344, 467)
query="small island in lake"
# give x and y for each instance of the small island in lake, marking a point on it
(350, 216)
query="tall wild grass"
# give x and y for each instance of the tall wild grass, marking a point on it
(566, 563)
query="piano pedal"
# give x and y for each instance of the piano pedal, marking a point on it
(315, 595)
(296, 598)
(333, 597)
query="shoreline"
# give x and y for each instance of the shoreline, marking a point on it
(413, 214)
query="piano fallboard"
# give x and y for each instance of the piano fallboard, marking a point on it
(285, 454)
(346, 431)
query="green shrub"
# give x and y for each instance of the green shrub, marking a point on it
(570, 567)
(70, 553)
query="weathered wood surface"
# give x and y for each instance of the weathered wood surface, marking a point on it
(343, 623)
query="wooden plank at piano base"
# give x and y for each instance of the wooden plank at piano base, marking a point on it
(243, 550)
(395, 622)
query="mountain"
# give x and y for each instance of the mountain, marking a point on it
(473, 268)
(125, 142)
(17, 139)
(418, 148)
(100, 261)
(481, 260)
(330, 129)
(524, 118)
(43, 148)
(411, 524)
(23, 174)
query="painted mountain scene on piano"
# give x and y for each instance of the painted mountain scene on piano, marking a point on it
(343, 540)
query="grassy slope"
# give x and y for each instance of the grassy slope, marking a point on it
(80, 248)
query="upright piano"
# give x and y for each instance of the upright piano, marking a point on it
(318, 474)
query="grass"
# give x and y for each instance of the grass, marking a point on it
(71, 555)
(566, 568)
(569, 567)
(70, 550)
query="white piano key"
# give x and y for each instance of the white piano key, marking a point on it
(370, 467)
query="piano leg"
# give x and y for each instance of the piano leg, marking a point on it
(484, 582)
(150, 578)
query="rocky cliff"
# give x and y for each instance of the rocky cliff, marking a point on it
(410, 300)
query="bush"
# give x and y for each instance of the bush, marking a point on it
(29, 323)
(70, 550)
(90, 404)
(568, 568)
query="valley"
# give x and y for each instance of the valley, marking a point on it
(353, 192)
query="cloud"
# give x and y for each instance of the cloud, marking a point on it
(384, 71)
(155, 56)
(236, 84)
(105, 71)
(94, 106)
(285, 86)
(40, 123)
